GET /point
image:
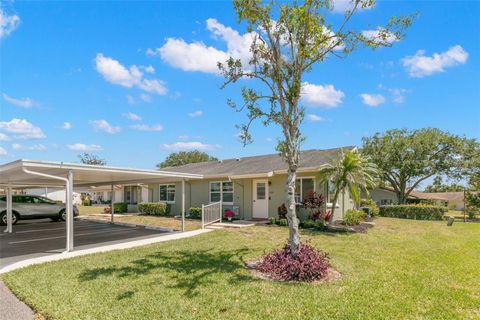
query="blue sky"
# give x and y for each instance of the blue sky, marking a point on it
(134, 81)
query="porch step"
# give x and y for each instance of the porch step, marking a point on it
(235, 224)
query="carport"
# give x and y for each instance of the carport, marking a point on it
(28, 173)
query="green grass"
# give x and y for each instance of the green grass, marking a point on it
(401, 269)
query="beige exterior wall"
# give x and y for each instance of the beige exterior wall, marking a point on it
(382, 196)
(197, 193)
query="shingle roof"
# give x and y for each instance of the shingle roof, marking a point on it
(258, 164)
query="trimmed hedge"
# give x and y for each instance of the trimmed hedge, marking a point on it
(415, 211)
(154, 208)
(120, 207)
(195, 213)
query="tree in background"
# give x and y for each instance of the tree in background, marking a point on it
(287, 40)
(352, 172)
(89, 158)
(181, 158)
(407, 158)
(438, 186)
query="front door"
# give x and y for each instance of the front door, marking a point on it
(260, 199)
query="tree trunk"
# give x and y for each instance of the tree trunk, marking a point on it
(335, 199)
(294, 236)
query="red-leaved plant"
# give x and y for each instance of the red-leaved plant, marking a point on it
(308, 265)
(313, 202)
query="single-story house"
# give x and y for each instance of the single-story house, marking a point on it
(252, 187)
(452, 200)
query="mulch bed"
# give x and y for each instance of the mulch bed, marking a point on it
(251, 265)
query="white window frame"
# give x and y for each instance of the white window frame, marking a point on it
(221, 191)
(174, 192)
(301, 186)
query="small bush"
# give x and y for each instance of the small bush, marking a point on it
(320, 225)
(195, 213)
(416, 211)
(271, 220)
(283, 222)
(353, 217)
(308, 224)
(120, 207)
(309, 264)
(154, 208)
(371, 205)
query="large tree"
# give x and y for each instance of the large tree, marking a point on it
(407, 158)
(437, 185)
(92, 159)
(185, 157)
(287, 40)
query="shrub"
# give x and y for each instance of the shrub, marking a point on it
(309, 264)
(271, 220)
(120, 207)
(283, 222)
(371, 205)
(282, 212)
(195, 213)
(313, 202)
(353, 217)
(320, 225)
(416, 211)
(154, 208)
(308, 224)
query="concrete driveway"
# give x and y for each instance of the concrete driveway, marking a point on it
(38, 238)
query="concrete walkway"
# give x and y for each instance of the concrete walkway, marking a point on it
(12, 308)
(117, 246)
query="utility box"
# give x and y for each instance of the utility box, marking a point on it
(236, 210)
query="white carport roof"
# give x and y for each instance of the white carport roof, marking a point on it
(16, 174)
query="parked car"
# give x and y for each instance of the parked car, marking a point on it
(33, 207)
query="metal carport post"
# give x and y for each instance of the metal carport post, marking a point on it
(9, 209)
(69, 202)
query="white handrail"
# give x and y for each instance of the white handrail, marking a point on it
(210, 215)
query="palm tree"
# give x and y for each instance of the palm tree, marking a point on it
(349, 171)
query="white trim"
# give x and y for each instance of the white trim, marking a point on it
(174, 193)
(221, 191)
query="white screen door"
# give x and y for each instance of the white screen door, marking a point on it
(260, 199)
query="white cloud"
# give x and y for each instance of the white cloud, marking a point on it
(145, 127)
(314, 118)
(420, 65)
(3, 152)
(35, 147)
(4, 137)
(183, 137)
(23, 102)
(84, 147)
(22, 129)
(195, 114)
(132, 116)
(8, 23)
(146, 97)
(150, 52)
(197, 56)
(114, 72)
(321, 95)
(373, 100)
(193, 145)
(66, 125)
(380, 35)
(340, 6)
(103, 125)
(149, 69)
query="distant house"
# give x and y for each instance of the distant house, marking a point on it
(56, 194)
(452, 200)
(252, 187)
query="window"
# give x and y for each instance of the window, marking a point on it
(261, 192)
(42, 200)
(221, 191)
(130, 194)
(302, 187)
(167, 193)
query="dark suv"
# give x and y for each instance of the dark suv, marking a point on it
(33, 207)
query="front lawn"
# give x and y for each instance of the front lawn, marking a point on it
(401, 269)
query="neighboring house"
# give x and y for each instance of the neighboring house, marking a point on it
(253, 187)
(56, 194)
(452, 200)
(130, 194)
